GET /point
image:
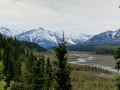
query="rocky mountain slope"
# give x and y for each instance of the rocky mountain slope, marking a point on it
(105, 37)
(45, 38)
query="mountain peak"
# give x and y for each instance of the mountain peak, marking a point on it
(43, 37)
(6, 32)
(5, 28)
(105, 37)
(118, 30)
(40, 28)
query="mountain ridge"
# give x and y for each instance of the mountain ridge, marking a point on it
(105, 37)
(45, 38)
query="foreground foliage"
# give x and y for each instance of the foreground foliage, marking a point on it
(88, 81)
(117, 59)
(63, 69)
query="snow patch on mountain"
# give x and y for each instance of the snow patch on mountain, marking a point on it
(105, 37)
(45, 38)
(6, 32)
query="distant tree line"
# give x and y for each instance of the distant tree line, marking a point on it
(91, 48)
(105, 51)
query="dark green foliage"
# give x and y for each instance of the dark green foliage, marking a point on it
(98, 49)
(38, 79)
(32, 45)
(8, 63)
(63, 72)
(26, 71)
(117, 59)
(81, 48)
(10, 52)
(118, 83)
(30, 62)
(104, 51)
(39, 74)
(17, 86)
(117, 53)
(49, 75)
(17, 70)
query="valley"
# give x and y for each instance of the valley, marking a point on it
(90, 71)
(85, 58)
(106, 62)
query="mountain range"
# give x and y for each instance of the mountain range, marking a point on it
(47, 38)
(107, 37)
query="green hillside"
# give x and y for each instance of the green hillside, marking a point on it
(33, 46)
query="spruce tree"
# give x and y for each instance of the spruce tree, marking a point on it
(49, 75)
(8, 63)
(38, 74)
(63, 72)
(117, 59)
(29, 73)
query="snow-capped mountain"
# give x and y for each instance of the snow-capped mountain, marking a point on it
(47, 38)
(40, 36)
(105, 37)
(6, 32)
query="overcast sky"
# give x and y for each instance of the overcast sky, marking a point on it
(72, 16)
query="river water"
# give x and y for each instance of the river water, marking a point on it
(103, 61)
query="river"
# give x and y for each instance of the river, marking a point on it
(106, 62)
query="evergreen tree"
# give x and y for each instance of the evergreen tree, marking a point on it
(17, 70)
(30, 62)
(35, 74)
(63, 72)
(117, 59)
(29, 65)
(8, 63)
(38, 74)
(49, 75)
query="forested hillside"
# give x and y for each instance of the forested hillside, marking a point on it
(33, 46)
(20, 69)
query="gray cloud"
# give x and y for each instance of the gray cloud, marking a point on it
(72, 16)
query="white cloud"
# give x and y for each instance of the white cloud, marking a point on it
(17, 23)
(72, 16)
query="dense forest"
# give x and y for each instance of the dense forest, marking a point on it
(20, 69)
(97, 49)
(33, 46)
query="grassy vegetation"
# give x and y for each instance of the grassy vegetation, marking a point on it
(88, 68)
(83, 79)
(87, 81)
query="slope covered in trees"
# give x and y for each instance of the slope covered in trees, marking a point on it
(33, 46)
(20, 69)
